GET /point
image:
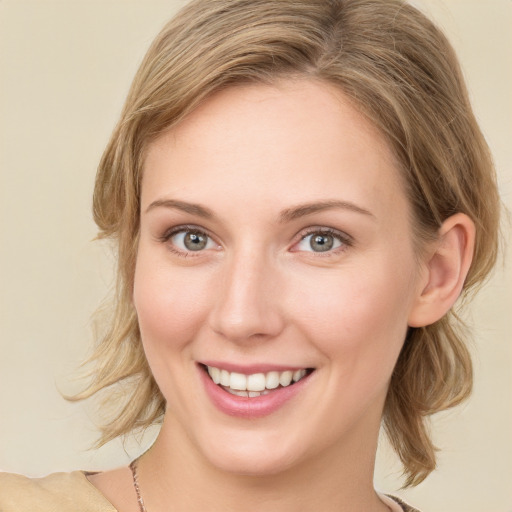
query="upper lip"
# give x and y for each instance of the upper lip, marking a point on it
(250, 369)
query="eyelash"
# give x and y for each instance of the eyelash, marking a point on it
(165, 238)
(345, 240)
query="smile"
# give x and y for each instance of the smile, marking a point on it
(255, 384)
(252, 391)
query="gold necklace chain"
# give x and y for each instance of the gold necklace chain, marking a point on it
(140, 501)
(133, 467)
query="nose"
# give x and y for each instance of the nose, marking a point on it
(247, 305)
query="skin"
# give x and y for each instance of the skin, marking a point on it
(259, 293)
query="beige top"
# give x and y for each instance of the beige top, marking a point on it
(72, 492)
(58, 492)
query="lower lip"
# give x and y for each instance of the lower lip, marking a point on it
(255, 407)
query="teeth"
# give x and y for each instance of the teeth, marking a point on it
(285, 378)
(272, 380)
(297, 375)
(237, 392)
(238, 381)
(247, 394)
(255, 384)
(224, 377)
(214, 374)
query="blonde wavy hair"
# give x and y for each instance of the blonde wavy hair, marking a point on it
(402, 73)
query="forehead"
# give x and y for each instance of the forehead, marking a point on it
(296, 137)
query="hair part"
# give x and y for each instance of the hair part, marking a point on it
(401, 72)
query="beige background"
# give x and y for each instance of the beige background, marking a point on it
(65, 67)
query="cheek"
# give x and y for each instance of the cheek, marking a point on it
(170, 304)
(358, 316)
(170, 308)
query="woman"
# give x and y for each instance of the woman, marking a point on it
(300, 193)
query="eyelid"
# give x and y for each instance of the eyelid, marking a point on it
(183, 227)
(345, 239)
(169, 233)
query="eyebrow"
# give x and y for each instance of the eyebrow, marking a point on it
(286, 215)
(192, 208)
(308, 209)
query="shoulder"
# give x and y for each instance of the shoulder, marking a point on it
(58, 492)
(405, 506)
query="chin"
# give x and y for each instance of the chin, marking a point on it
(251, 455)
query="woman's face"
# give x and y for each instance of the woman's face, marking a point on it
(275, 243)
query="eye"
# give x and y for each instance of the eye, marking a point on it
(322, 241)
(190, 240)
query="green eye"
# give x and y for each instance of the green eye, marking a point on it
(193, 241)
(321, 241)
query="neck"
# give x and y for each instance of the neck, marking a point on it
(173, 475)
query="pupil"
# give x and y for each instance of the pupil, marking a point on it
(195, 241)
(322, 243)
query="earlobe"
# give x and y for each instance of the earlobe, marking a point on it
(446, 270)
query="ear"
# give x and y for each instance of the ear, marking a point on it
(446, 269)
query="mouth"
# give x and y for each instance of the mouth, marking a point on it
(255, 384)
